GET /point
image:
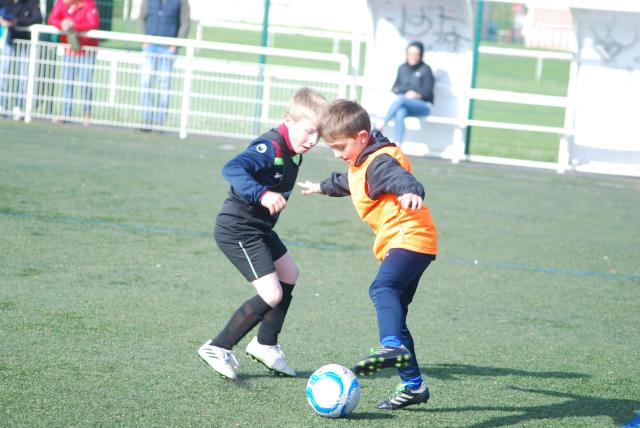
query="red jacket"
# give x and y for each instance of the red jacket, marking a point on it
(84, 15)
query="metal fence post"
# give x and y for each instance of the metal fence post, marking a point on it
(35, 35)
(474, 69)
(186, 92)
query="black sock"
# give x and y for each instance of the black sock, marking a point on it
(273, 320)
(243, 320)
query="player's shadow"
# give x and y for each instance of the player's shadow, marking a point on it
(582, 406)
(455, 371)
(459, 371)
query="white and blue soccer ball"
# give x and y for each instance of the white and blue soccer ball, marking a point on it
(333, 391)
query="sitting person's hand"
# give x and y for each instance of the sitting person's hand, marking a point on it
(413, 95)
(67, 24)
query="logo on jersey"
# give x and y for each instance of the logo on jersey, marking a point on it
(277, 175)
(261, 148)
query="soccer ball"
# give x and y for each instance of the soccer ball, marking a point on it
(333, 391)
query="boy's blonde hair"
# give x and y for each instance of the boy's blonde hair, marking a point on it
(343, 119)
(308, 104)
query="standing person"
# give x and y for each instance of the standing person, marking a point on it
(261, 179)
(72, 17)
(167, 18)
(390, 200)
(15, 53)
(414, 86)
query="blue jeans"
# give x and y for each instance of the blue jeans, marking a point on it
(157, 68)
(14, 66)
(77, 70)
(392, 291)
(401, 108)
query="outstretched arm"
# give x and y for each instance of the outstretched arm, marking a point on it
(336, 185)
(309, 187)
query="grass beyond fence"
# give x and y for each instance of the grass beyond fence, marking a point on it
(110, 280)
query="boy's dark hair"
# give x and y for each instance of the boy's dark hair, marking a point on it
(343, 119)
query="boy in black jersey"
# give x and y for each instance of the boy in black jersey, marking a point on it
(262, 178)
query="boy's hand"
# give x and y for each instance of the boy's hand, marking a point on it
(273, 201)
(410, 201)
(309, 187)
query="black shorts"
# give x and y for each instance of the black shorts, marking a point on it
(253, 255)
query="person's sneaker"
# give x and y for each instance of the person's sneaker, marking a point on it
(221, 360)
(382, 358)
(403, 397)
(271, 357)
(16, 113)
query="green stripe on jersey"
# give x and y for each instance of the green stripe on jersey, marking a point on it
(278, 161)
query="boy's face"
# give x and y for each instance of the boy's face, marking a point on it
(303, 134)
(348, 149)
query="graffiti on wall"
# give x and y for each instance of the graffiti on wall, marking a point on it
(613, 39)
(439, 25)
(609, 44)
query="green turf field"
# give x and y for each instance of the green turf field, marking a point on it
(109, 281)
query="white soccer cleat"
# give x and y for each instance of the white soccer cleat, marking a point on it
(271, 357)
(221, 360)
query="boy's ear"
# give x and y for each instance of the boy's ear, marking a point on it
(363, 137)
(288, 120)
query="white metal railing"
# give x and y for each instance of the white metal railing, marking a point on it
(355, 38)
(209, 93)
(539, 56)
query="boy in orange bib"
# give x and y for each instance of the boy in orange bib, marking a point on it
(390, 200)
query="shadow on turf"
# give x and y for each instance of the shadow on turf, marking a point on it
(457, 371)
(582, 406)
(460, 371)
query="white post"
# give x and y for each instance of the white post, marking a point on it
(126, 10)
(336, 45)
(344, 76)
(186, 91)
(113, 80)
(266, 96)
(564, 148)
(539, 68)
(31, 84)
(355, 62)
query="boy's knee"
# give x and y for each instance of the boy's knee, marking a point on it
(401, 114)
(295, 274)
(273, 297)
(375, 289)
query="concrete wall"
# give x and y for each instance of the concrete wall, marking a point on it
(607, 88)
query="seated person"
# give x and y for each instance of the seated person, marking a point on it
(414, 86)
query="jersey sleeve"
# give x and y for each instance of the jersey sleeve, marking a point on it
(386, 175)
(241, 171)
(336, 185)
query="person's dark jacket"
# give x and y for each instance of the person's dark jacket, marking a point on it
(384, 174)
(418, 78)
(167, 18)
(27, 12)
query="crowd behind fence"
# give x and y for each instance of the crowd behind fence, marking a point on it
(208, 95)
